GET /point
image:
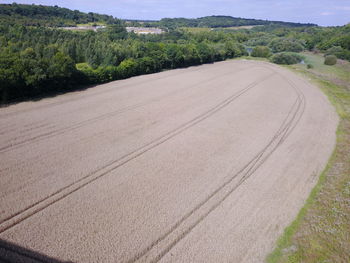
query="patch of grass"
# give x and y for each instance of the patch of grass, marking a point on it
(236, 27)
(321, 231)
(207, 29)
(340, 70)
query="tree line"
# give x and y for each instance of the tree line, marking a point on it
(38, 60)
(221, 21)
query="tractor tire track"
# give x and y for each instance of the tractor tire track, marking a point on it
(172, 237)
(106, 90)
(38, 206)
(105, 116)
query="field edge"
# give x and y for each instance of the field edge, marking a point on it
(285, 250)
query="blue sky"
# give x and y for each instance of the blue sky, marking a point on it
(321, 12)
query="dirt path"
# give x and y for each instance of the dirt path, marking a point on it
(206, 164)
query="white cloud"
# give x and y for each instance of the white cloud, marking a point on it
(344, 8)
(326, 13)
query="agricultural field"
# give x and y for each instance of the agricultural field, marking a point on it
(182, 139)
(207, 29)
(153, 167)
(144, 30)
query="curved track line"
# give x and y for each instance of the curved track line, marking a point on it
(105, 116)
(283, 132)
(29, 211)
(107, 90)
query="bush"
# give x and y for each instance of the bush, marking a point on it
(309, 66)
(261, 51)
(259, 41)
(99, 75)
(339, 52)
(330, 60)
(286, 58)
(335, 50)
(286, 44)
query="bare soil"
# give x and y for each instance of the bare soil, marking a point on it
(205, 164)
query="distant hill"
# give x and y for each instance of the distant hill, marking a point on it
(39, 15)
(223, 21)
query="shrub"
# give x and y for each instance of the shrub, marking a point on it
(127, 68)
(286, 44)
(309, 66)
(261, 51)
(335, 50)
(339, 52)
(99, 75)
(330, 60)
(286, 58)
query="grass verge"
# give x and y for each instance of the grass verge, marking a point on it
(321, 231)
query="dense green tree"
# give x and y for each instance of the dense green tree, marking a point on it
(127, 68)
(10, 76)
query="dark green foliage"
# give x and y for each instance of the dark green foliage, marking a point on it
(261, 51)
(286, 58)
(330, 60)
(309, 66)
(26, 73)
(38, 15)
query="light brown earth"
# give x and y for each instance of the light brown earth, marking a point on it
(205, 164)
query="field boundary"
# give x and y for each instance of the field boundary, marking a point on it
(285, 249)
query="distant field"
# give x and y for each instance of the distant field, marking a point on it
(83, 28)
(92, 24)
(206, 29)
(145, 30)
(238, 27)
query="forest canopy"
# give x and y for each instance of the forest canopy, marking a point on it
(40, 15)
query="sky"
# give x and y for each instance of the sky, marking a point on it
(321, 12)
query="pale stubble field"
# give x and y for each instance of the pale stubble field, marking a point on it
(205, 164)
